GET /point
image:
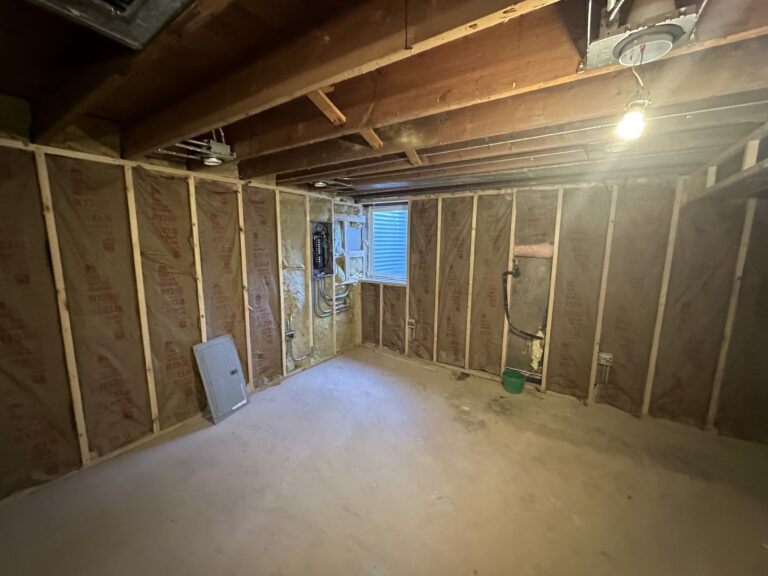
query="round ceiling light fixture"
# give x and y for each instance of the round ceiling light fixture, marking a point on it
(212, 161)
(647, 45)
(320, 184)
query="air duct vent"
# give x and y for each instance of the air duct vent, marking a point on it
(131, 22)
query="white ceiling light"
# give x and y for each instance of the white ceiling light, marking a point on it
(212, 161)
(320, 184)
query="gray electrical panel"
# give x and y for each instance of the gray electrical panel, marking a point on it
(222, 376)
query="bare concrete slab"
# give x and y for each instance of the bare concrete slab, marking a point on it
(372, 465)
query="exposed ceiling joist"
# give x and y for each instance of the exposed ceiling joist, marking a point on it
(413, 157)
(527, 54)
(678, 126)
(323, 103)
(721, 71)
(749, 177)
(370, 136)
(94, 82)
(366, 37)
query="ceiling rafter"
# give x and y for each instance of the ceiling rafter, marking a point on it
(368, 36)
(525, 55)
(730, 69)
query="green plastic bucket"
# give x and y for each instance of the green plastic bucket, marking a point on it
(513, 381)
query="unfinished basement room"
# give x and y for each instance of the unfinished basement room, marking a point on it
(384, 287)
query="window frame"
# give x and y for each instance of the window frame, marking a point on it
(400, 207)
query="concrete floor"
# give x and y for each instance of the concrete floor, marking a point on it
(372, 465)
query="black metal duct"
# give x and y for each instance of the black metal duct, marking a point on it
(131, 22)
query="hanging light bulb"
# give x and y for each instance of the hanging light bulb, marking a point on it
(631, 126)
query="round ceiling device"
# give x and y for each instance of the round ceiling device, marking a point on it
(647, 45)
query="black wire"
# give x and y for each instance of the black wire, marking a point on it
(514, 329)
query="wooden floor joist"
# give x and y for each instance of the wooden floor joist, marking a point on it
(320, 99)
(370, 136)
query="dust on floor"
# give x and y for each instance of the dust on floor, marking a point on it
(372, 465)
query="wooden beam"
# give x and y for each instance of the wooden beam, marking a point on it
(95, 81)
(650, 375)
(746, 233)
(363, 38)
(592, 387)
(370, 136)
(141, 298)
(63, 306)
(198, 261)
(552, 285)
(725, 71)
(705, 141)
(328, 108)
(718, 126)
(527, 54)
(471, 281)
(413, 157)
(244, 279)
(437, 276)
(703, 183)
(281, 286)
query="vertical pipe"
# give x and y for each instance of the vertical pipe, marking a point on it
(142, 301)
(61, 298)
(510, 259)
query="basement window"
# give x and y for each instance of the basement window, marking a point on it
(388, 243)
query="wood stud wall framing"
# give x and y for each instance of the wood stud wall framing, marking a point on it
(143, 320)
(472, 231)
(552, 284)
(244, 273)
(41, 152)
(666, 274)
(592, 389)
(61, 297)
